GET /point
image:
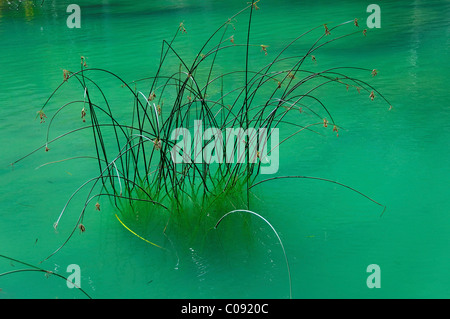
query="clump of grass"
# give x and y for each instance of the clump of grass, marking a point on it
(135, 155)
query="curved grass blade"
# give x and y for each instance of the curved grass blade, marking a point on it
(325, 180)
(140, 237)
(276, 233)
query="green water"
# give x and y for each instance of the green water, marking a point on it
(398, 157)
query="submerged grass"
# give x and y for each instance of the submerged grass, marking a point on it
(136, 151)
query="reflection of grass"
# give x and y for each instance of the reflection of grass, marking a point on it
(14, 6)
(133, 148)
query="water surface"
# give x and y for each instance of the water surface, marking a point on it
(398, 157)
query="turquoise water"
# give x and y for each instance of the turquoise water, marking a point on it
(398, 157)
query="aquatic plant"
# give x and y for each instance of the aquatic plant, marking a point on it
(139, 157)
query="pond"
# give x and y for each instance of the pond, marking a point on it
(396, 153)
